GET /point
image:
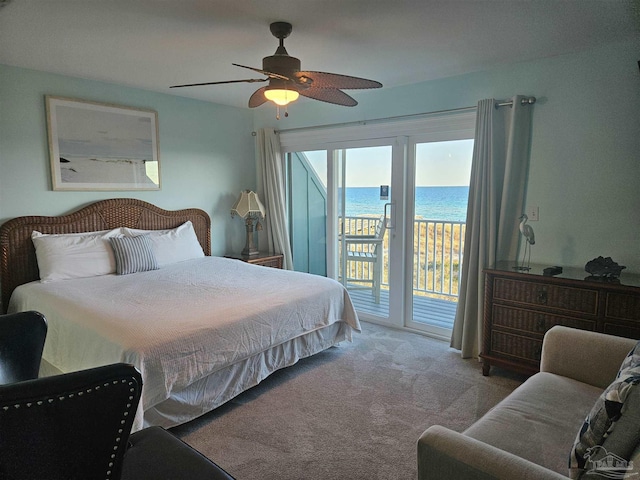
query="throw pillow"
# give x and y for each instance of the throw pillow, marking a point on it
(606, 412)
(133, 254)
(615, 457)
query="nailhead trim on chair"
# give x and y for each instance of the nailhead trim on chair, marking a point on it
(90, 390)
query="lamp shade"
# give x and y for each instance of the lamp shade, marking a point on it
(281, 96)
(248, 205)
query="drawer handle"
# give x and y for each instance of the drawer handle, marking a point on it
(542, 297)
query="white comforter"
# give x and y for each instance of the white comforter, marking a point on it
(182, 322)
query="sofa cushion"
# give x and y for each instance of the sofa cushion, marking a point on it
(605, 415)
(538, 420)
(634, 462)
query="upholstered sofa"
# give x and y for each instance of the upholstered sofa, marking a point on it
(532, 432)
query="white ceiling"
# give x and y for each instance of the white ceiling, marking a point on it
(152, 44)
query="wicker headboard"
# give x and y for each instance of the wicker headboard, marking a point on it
(18, 264)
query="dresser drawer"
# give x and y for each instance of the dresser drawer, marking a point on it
(569, 299)
(623, 306)
(534, 322)
(628, 330)
(516, 346)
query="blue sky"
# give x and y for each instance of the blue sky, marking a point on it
(437, 164)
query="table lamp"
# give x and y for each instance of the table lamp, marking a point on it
(249, 207)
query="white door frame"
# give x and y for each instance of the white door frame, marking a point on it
(403, 136)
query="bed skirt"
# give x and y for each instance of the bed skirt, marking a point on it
(223, 385)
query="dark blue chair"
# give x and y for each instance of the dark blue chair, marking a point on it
(22, 337)
(77, 426)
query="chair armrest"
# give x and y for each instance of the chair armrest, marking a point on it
(363, 240)
(445, 454)
(157, 454)
(589, 357)
(358, 237)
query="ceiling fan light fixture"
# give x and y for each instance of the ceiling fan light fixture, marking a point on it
(287, 80)
(281, 96)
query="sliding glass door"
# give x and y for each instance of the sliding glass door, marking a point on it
(351, 189)
(439, 190)
(362, 219)
(393, 211)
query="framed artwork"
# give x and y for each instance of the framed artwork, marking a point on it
(98, 146)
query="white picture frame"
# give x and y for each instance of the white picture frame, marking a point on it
(100, 146)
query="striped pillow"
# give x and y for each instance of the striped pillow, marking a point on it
(133, 254)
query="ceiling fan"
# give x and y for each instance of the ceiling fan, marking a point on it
(287, 81)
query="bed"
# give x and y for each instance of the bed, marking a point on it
(200, 330)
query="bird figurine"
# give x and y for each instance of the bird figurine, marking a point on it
(530, 239)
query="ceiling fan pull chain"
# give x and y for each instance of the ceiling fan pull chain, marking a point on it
(277, 112)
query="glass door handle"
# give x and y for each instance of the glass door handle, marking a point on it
(389, 220)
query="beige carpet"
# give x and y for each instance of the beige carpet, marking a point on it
(353, 412)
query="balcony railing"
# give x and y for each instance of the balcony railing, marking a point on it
(437, 256)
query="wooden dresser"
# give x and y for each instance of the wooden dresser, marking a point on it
(273, 260)
(521, 306)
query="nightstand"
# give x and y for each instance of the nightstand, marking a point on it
(273, 260)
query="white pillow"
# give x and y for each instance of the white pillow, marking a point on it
(171, 246)
(74, 255)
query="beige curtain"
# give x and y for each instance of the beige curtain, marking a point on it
(273, 190)
(496, 200)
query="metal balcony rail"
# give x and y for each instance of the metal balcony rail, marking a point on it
(437, 259)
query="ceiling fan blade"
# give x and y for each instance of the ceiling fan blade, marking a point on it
(257, 98)
(329, 95)
(334, 80)
(264, 72)
(248, 80)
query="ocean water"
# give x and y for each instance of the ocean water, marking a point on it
(432, 203)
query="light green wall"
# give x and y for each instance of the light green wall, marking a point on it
(585, 154)
(206, 151)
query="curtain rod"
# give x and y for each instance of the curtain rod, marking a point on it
(523, 101)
